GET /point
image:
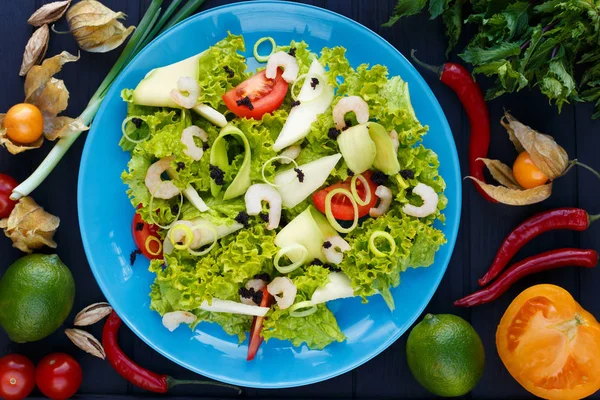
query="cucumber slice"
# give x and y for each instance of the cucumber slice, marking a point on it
(306, 231)
(358, 148)
(338, 287)
(301, 117)
(386, 159)
(218, 157)
(212, 115)
(292, 191)
(154, 89)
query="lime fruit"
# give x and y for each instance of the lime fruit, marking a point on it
(445, 355)
(36, 296)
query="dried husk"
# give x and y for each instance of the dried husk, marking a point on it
(14, 147)
(49, 13)
(35, 50)
(51, 96)
(501, 173)
(92, 314)
(86, 342)
(29, 226)
(96, 28)
(515, 197)
(545, 153)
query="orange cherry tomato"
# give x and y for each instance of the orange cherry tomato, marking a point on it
(550, 345)
(24, 123)
(527, 173)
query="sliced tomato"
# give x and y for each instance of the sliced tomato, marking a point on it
(141, 232)
(264, 95)
(341, 207)
(255, 338)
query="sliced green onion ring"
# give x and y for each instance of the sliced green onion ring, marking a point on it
(310, 308)
(124, 131)
(354, 191)
(289, 268)
(176, 218)
(381, 234)
(317, 92)
(213, 244)
(257, 56)
(330, 216)
(150, 239)
(189, 236)
(269, 161)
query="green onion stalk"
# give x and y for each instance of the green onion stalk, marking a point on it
(151, 25)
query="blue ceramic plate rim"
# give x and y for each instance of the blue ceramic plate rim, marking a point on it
(451, 231)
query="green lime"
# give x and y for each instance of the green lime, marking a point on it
(445, 355)
(36, 296)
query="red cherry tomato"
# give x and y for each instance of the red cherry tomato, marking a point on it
(266, 95)
(17, 377)
(141, 232)
(7, 184)
(58, 376)
(257, 323)
(341, 207)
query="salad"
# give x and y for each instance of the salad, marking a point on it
(262, 195)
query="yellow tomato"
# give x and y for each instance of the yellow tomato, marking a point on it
(527, 173)
(24, 123)
(550, 345)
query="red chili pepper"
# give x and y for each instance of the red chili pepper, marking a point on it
(561, 218)
(459, 79)
(541, 262)
(131, 371)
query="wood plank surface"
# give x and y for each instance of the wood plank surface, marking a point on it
(483, 225)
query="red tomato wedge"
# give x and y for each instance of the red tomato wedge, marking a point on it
(265, 95)
(141, 231)
(341, 207)
(255, 338)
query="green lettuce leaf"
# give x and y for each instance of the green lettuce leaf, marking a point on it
(214, 80)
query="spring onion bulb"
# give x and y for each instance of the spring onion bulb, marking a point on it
(257, 56)
(309, 308)
(384, 235)
(124, 131)
(188, 234)
(355, 194)
(317, 91)
(215, 237)
(151, 239)
(269, 161)
(289, 268)
(329, 214)
(153, 221)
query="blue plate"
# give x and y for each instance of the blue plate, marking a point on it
(105, 212)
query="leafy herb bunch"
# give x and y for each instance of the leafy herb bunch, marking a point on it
(526, 43)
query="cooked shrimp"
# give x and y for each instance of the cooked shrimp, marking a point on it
(157, 187)
(177, 234)
(430, 202)
(255, 284)
(262, 192)
(395, 142)
(284, 291)
(186, 85)
(187, 138)
(291, 152)
(334, 252)
(172, 320)
(287, 62)
(347, 104)
(385, 199)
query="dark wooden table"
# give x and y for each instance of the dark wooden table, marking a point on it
(483, 224)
